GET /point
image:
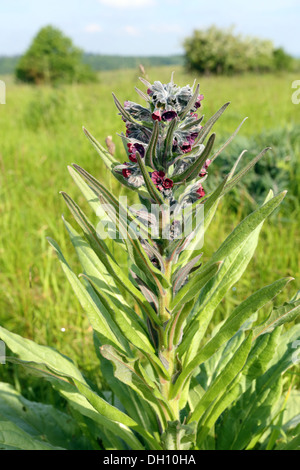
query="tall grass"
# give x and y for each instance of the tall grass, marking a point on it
(41, 135)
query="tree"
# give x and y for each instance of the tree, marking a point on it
(52, 58)
(220, 51)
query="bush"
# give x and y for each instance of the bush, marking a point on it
(220, 51)
(52, 58)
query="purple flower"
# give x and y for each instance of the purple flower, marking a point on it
(157, 177)
(168, 115)
(200, 192)
(198, 102)
(156, 116)
(133, 148)
(207, 163)
(203, 171)
(126, 172)
(192, 137)
(186, 147)
(167, 183)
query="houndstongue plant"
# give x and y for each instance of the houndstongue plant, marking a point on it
(173, 381)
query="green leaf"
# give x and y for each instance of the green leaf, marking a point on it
(123, 216)
(223, 379)
(153, 192)
(228, 141)
(14, 438)
(239, 316)
(109, 416)
(192, 171)
(131, 328)
(32, 352)
(194, 285)
(129, 373)
(134, 404)
(287, 312)
(210, 123)
(237, 250)
(246, 227)
(150, 155)
(117, 421)
(87, 192)
(190, 104)
(97, 314)
(41, 422)
(106, 157)
(109, 263)
(252, 413)
(244, 171)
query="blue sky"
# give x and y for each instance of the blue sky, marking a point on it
(144, 27)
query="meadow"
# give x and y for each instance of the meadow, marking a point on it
(41, 133)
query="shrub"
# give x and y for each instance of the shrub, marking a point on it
(172, 384)
(220, 51)
(52, 58)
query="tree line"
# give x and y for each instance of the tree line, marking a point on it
(52, 57)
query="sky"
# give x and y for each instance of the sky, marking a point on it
(146, 27)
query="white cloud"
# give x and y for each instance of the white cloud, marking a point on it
(93, 28)
(131, 30)
(127, 3)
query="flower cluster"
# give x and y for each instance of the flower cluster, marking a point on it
(174, 110)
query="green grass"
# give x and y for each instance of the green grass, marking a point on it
(41, 135)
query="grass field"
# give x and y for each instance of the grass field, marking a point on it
(41, 133)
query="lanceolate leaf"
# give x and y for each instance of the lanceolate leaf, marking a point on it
(190, 104)
(194, 285)
(193, 170)
(129, 374)
(245, 170)
(109, 263)
(239, 316)
(223, 380)
(236, 320)
(39, 422)
(106, 157)
(153, 192)
(150, 155)
(248, 225)
(254, 407)
(210, 296)
(209, 124)
(131, 329)
(55, 362)
(228, 141)
(288, 312)
(99, 318)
